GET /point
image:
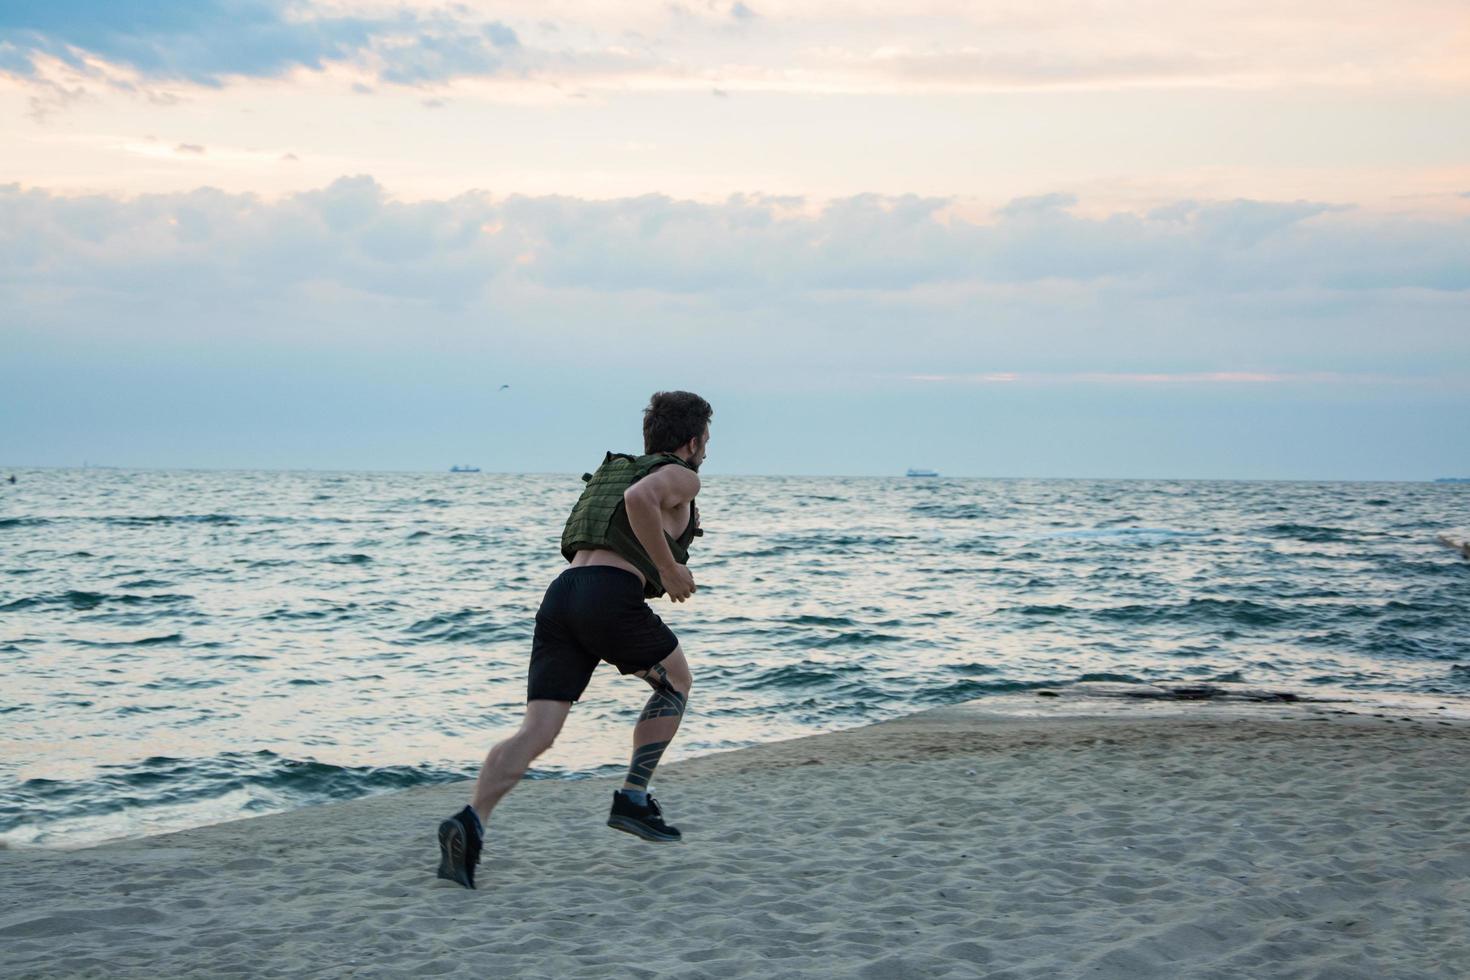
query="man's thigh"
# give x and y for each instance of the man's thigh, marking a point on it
(672, 671)
(637, 641)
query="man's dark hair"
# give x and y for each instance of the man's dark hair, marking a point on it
(672, 418)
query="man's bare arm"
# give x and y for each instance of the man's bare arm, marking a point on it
(663, 489)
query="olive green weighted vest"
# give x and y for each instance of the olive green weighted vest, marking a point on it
(600, 518)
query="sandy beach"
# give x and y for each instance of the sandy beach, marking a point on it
(1148, 840)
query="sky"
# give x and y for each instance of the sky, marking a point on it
(1223, 239)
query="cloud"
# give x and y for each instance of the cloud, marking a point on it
(1243, 223)
(1037, 205)
(882, 47)
(443, 50)
(756, 244)
(1206, 293)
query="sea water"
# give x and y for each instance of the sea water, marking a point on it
(179, 648)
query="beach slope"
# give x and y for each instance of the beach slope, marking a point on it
(1293, 840)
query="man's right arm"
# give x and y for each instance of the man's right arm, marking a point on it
(664, 489)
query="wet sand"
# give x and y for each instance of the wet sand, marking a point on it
(1092, 839)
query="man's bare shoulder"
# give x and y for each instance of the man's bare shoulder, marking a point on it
(672, 484)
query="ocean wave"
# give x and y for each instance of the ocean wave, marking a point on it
(269, 563)
(1138, 535)
(809, 620)
(220, 519)
(1202, 612)
(1388, 641)
(1042, 610)
(9, 522)
(969, 670)
(464, 626)
(170, 639)
(978, 546)
(333, 611)
(794, 676)
(969, 690)
(849, 638)
(272, 781)
(950, 512)
(1319, 534)
(183, 683)
(131, 520)
(820, 544)
(90, 600)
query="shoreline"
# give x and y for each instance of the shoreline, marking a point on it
(1065, 698)
(1074, 837)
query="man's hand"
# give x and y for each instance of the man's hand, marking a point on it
(647, 502)
(678, 582)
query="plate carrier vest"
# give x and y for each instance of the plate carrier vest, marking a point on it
(600, 518)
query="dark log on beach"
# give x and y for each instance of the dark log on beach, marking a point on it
(1208, 692)
(1181, 692)
(1463, 547)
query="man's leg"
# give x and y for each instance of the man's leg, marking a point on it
(670, 680)
(508, 761)
(634, 811)
(462, 835)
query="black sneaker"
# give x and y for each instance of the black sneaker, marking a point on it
(459, 848)
(645, 821)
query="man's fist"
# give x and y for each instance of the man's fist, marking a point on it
(677, 582)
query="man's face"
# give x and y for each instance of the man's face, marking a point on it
(700, 448)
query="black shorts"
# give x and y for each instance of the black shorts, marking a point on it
(593, 613)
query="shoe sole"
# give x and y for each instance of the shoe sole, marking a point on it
(630, 826)
(451, 853)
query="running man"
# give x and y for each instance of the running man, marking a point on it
(627, 540)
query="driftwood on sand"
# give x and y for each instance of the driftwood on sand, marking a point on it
(1463, 547)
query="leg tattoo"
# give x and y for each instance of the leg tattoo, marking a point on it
(658, 722)
(645, 758)
(666, 701)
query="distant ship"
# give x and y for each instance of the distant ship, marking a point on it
(464, 469)
(913, 472)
